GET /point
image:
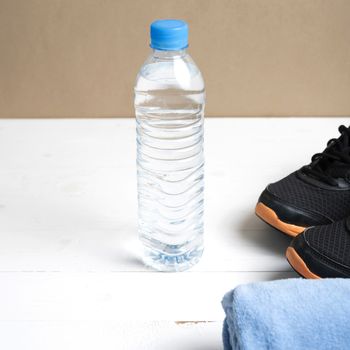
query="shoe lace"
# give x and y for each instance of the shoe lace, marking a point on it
(337, 152)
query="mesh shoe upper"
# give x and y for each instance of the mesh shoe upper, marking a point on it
(332, 241)
(334, 204)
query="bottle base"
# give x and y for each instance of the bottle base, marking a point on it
(171, 263)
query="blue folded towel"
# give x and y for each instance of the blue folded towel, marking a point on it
(288, 314)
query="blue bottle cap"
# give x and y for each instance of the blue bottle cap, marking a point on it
(169, 34)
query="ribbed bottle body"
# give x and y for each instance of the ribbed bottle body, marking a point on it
(169, 110)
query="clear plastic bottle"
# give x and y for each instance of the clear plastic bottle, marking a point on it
(169, 106)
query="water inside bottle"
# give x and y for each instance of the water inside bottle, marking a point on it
(170, 166)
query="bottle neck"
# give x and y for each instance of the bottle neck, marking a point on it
(169, 55)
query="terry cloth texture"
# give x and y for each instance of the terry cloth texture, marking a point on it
(288, 314)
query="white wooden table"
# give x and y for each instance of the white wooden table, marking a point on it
(70, 271)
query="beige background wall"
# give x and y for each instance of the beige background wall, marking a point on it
(79, 58)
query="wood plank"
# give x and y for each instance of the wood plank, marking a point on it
(68, 194)
(108, 335)
(192, 296)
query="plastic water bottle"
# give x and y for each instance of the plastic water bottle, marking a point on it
(169, 106)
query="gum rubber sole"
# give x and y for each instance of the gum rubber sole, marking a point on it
(269, 216)
(299, 265)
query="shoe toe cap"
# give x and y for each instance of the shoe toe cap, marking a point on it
(290, 213)
(318, 261)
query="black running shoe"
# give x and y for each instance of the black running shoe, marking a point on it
(316, 194)
(322, 251)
